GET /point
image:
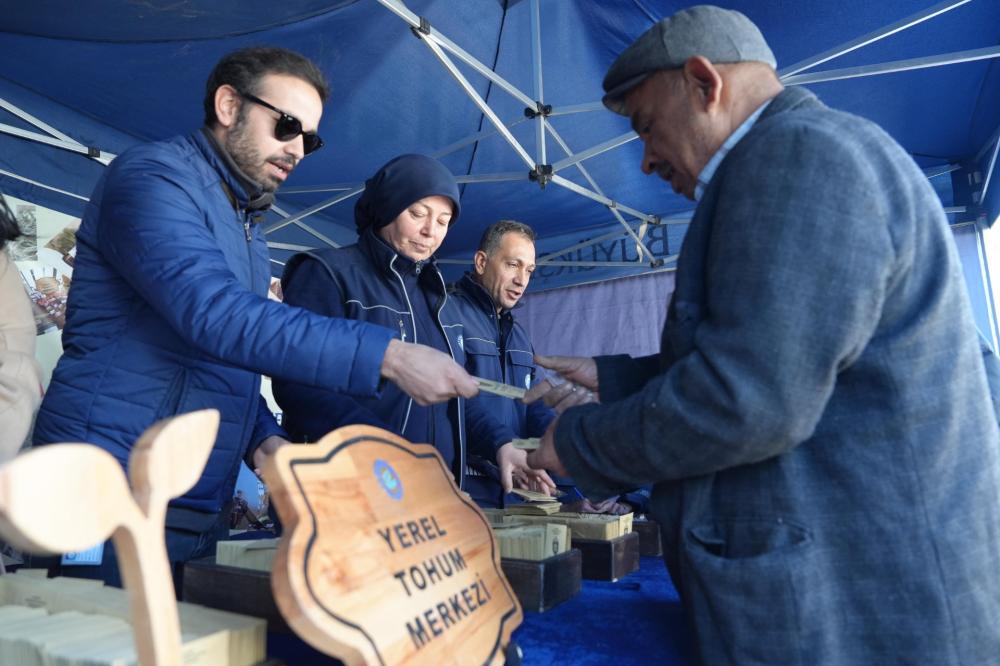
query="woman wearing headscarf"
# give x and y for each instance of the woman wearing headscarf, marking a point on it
(390, 278)
(20, 382)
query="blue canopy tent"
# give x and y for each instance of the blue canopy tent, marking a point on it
(505, 92)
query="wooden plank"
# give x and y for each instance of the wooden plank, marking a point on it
(609, 560)
(544, 584)
(649, 537)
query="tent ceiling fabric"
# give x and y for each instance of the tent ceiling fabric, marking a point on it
(126, 71)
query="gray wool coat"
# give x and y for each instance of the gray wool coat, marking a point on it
(817, 423)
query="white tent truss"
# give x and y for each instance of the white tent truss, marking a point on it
(541, 170)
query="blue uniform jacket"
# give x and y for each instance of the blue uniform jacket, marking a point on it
(168, 314)
(516, 366)
(361, 282)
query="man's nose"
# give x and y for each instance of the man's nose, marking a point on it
(295, 148)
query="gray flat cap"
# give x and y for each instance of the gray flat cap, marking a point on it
(721, 35)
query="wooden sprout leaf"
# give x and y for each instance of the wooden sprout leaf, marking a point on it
(57, 499)
(384, 560)
(170, 456)
(65, 497)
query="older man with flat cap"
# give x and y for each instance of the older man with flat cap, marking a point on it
(817, 423)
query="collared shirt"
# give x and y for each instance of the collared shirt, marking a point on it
(706, 173)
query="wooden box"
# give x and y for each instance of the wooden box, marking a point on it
(544, 584)
(235, 589)
(596, 526)
(609, 560)
(211, 637)
(520, 541)
(649, 537)
(257, 554)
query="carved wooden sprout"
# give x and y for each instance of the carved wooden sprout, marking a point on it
(384, 560)
(68, 497)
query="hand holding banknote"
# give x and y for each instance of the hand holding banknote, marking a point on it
(565, 381)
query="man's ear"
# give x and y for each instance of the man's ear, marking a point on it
(479, 262)
(705, 79)
(227, 105)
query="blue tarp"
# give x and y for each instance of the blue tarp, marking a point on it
(120, 72)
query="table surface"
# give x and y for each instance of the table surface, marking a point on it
(636, 620)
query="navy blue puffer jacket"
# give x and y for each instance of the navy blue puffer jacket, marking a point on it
(168, 314)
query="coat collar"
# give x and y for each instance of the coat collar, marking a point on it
(476, 293)
(790, 98)
(244, 192)
(386, 258)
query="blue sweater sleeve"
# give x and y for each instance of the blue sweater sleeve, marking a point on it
(153, 229)
(264, 427)
(311, 412)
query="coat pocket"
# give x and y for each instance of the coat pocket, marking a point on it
(746, 582)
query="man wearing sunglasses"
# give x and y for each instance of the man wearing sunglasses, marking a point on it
(169, 312)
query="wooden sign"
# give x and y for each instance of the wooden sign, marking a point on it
(384, 560)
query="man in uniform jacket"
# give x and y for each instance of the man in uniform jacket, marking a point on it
(817, 422)
(168, 312)
(498, 348)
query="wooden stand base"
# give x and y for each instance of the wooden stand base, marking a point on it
(649, 538)
(544, 584)
(237, 590)
(609, 560)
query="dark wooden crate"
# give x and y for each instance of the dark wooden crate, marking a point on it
(244, 591)
(609, 560)
(649, 538)
(544, 584)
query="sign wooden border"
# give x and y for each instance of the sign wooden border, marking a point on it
(307, 500)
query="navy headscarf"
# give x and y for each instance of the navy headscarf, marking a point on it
(400, 182)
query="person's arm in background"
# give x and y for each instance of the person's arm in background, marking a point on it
(20, 379)
(493, 441)
(266, 438)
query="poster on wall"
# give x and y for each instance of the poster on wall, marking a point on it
(44, 256)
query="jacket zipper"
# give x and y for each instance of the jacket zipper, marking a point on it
(461, 425)
(409, 306)
(249, 236)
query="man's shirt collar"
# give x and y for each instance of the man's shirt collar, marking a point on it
(713, 164)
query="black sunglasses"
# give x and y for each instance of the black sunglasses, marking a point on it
(288, 126)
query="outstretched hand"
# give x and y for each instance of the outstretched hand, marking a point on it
(545, 456)
(514, 468)
(426, 374)
(575, 382)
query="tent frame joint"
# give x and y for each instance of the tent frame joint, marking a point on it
(423, 29)
(541, 174)
(543, 110)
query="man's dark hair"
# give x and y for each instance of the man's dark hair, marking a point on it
(9, 230)
(243, 70)
(494, 234)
